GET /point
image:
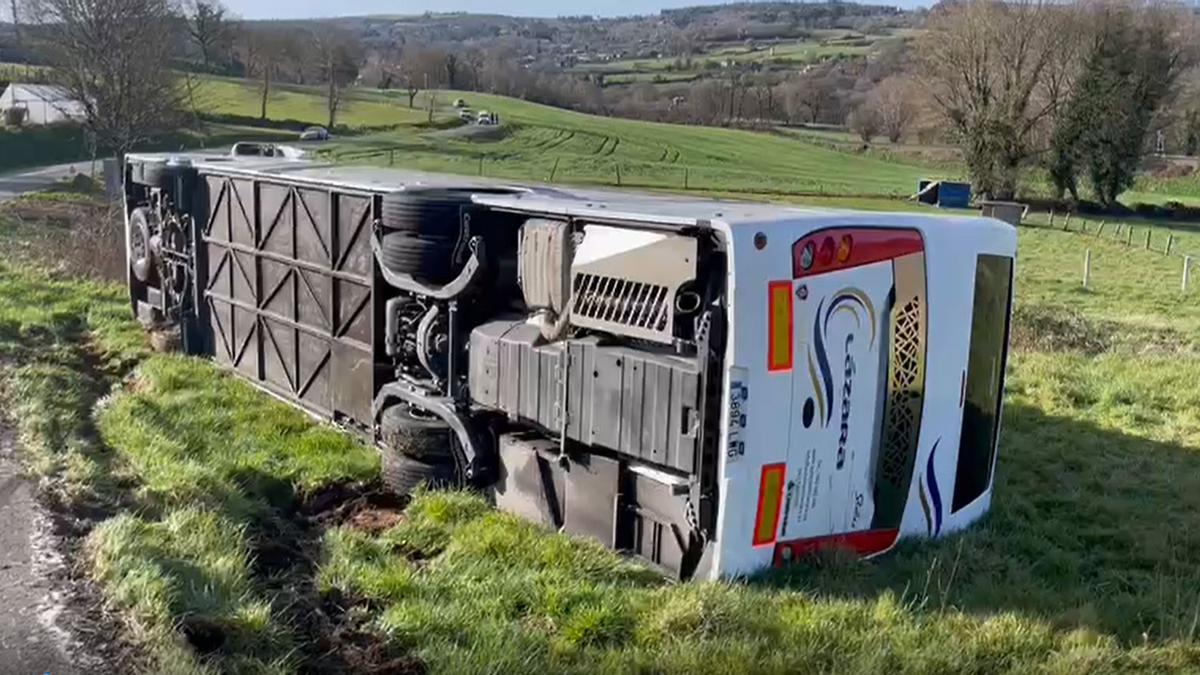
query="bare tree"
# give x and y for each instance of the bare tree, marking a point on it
(421, 68)
(865, 121)
(340, 55)
(985, 63)
(811, 97)
(15, 9)
(208, 26)
(895, 102)
(263, 51)
(113, 57)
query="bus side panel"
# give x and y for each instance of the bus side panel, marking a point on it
(288, 291)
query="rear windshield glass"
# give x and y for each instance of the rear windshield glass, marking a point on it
(985, 375)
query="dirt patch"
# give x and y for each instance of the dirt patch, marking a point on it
(1045, 328)
(205, 637)
(1056, 329)
(330, 634)
(370, 508)
(362, 652)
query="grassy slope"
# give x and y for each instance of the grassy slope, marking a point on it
(1087, 563)
(197, 469)
(540, 142)
(589, 149)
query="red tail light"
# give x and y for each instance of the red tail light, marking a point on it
(844, 248)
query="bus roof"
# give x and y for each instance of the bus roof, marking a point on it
(537, 198)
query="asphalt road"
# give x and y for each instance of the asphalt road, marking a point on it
(33, 604)
(13, 184)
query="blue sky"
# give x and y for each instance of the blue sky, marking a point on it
(293, 9)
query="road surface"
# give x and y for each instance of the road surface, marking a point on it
(30, 180)
(36, 622)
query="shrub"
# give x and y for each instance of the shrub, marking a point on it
(15, 117)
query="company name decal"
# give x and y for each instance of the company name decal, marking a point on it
(856, 303)
(933, 512)
(847, 388)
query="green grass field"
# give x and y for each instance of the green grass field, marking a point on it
(821, 45)
(542, 143)
(1089, 562)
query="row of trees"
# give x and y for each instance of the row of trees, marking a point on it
(1074, 88)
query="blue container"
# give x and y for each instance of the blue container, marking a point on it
(944, 194)
(954, 195)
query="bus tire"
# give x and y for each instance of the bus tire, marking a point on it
(402, 474)
(421, 437)
(431, 213)
(427, 259)
(151, 174)
(141, 254)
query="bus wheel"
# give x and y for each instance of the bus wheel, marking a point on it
(141, 255)
(402, 474)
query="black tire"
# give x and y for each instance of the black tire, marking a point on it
(430, 213)
(427, 259)
(423, 437)
(402, 474)
(151, 174)
(141, 255)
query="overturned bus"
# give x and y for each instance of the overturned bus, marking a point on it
(716, 387)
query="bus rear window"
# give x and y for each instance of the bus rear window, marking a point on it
(984, 379)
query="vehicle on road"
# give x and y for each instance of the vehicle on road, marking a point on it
(315, 134)
(460, 103)
(717, 387)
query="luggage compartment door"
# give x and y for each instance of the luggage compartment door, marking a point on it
(288, 288)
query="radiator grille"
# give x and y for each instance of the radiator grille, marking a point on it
(619, 305)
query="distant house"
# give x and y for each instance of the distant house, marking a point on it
(45, 103)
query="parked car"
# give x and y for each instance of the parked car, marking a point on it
(460, 103)
(466, 116)
(315, 134)
(486, 118)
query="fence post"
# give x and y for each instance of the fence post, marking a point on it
(1149, 231)
(554, 170)
(1170, 242)
(1067, 222)
(1087, 267)
(481, 165)
(1187, 268)
(1128, 234)
(1100, 230)
(685, 178)
(1051, 218)
(392, 157)
(618, 165)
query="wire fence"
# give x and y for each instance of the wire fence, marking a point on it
(1177, 241)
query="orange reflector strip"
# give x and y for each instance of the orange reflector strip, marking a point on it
(779, 326)
(770, 498)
